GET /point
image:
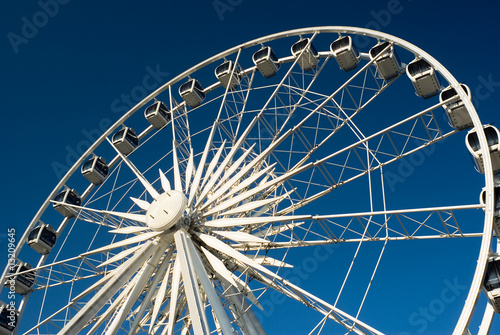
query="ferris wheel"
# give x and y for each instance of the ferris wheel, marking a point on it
(309, 154)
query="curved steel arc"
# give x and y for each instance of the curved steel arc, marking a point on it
(473, 295)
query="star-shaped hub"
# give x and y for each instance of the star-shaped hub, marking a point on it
(166, 210)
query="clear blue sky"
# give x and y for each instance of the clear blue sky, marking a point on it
(63, 73)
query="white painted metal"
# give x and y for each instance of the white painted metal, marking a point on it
(161, 275)
(151, 190)
(144, 205)
(174, 293)
(128, 230)
(165, 184)
(166, 210)
(142, 278)
(128, 241)
(240, 236)
(213, 297)
(226, 249)
(230, 222)
(108, 290)
(219, 267)
(119, 256)
(226, 196)
(195, 303)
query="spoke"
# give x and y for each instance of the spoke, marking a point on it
(174, 296)
(240, 236)
(120, 256)
(128, 216)
(165, 184)
(245, 184)
(209, 143)
(231, 222)
(158, 301)
(349, 322)
(161, 274)
(259, 188)
(108, 290)
(257, 161)
(128, 230)
(143, 277)
(189, 170)
(195, 303)
(247, 319)
(213, 164)
(252, 205)
(177, 173)
(219, 267)
(214, 299)
(144, 205)
(403, 224)
(226, 249)
(151, 190)
(114, 306)
(128, 241)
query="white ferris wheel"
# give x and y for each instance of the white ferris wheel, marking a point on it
(319, 148)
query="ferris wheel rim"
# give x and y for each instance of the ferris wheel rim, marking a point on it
(489, 183)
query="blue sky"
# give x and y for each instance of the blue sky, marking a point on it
(67, 74)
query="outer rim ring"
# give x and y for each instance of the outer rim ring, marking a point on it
(475, 288)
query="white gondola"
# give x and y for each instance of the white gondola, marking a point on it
(492, 137)
(424, 78)
(457, 113)
(22, 282)
(8, 319)
(228, 75)
(67, 196)
(192, 93)
(95, 170)
(387, 63)
(125, 140)
(266, 61)
(345, 53)
(158, 115)
(307, 55)
(491, 284)
(42, 238)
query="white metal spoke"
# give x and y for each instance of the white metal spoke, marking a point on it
(108, 290)
(195, 303)
(151, 190)
(143, 277)
(176, 277)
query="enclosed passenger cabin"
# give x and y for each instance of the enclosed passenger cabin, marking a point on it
(8, 319)
(95, 170)
(22, 282)
(491, 284)
(68, 196)
(306, 53)
(158, 114)
(387, 62)
(125, 140)
(228, 75)
(496, 200)
(345, 53)
(42, 238)
(192, 93)
(457, 112)
(266, 61)
(424, 78)
(472, 142)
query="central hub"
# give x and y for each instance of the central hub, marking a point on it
(166, 211)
